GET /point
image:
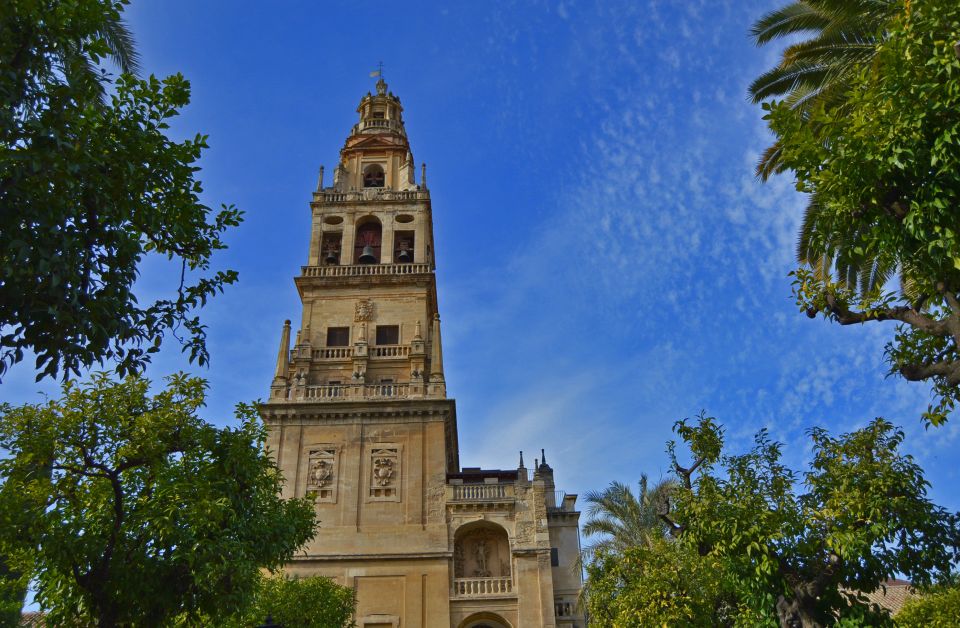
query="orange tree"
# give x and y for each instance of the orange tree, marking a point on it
(128, 509)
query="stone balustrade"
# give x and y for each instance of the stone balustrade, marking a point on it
(333, 353)
(482, 587)
(350, 392)
(369, 195)
(481, 492)
(390, 351)
(379, 123)
(359, 270)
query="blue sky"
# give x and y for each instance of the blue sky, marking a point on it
(607, 263)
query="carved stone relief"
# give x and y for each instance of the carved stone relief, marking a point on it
(385, 473)
(364, 311)
(321, 473)
(435, 501)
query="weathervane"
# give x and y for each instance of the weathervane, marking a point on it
(378, 71)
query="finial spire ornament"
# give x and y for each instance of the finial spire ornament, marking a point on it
(320, 180)
(416, 332)
(521, 459)
(436, 353)
(284, 354)
(423, 175)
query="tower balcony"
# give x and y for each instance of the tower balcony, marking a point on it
(327, 197)
(333, 393)
(376, 352)
(362, 270)
(378, 124)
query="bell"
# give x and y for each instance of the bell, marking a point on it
(366, 257)
(331, 257)
(404, 256)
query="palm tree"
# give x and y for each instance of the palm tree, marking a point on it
(815, 71)
(622, 520)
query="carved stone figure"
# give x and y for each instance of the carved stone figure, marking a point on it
(482, 553)
(364, 310)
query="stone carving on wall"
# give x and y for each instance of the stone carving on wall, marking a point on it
(321, 476)
(320, 473)
(435, 500)
(385, 473)
(364, 311)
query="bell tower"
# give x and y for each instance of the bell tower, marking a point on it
(358, 418)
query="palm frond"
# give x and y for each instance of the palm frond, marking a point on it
(122, 46)
(798, 17)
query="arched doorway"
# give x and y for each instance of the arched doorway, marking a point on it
(484, 620)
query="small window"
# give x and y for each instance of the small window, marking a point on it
(388, 334)
(554, 557)
(338, 336)
(378, 115)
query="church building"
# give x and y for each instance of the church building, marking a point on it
(359, 418)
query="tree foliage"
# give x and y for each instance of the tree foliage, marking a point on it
(808, 547)
(883, 172)
(128, 509)
(660, 583)
(617, 519)
(816, 72)
(938, 607)
(297, 603)
(90, 185)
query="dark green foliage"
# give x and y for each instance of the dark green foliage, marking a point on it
(89, 186)
(128, 509)
(807, 547)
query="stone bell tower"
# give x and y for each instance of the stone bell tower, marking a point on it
(359, 419)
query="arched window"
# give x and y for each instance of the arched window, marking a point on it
(373, 177)
(366, 246)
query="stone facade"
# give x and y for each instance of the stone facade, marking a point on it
(358, 417)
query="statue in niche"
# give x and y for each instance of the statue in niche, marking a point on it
(481, 552)
(320, 473)
(383, 471)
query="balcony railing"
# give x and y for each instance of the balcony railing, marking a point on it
(333, 353)
(370, 194)
(379, 123)
(390, 351)
(482, 587)
(479, 492)
(349, 392)
(357, 270)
